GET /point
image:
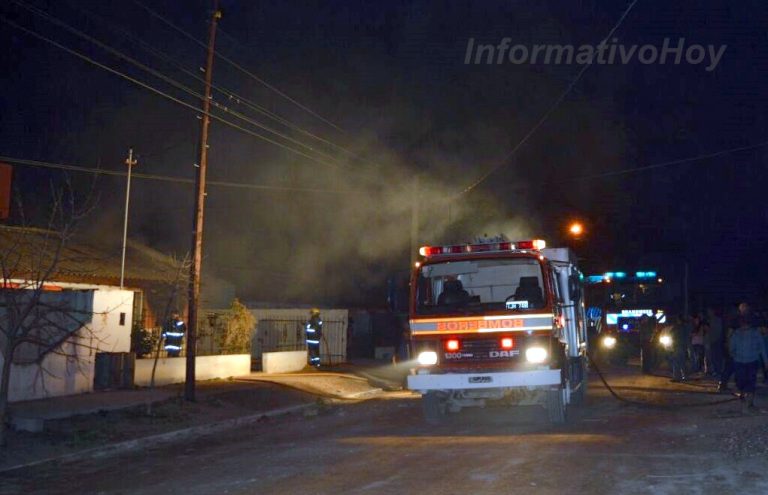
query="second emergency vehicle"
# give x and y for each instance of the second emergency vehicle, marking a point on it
(497, 321)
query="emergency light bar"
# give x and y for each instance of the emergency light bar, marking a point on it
(608, 277)
(645, 274)
(535, 244)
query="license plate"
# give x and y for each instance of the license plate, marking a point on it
(480, 379)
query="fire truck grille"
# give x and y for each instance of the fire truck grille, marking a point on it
(482, 350)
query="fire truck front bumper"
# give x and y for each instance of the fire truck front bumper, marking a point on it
(463, 381)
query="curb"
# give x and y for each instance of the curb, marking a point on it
(171, 436)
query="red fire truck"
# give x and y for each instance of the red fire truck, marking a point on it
(497, 321)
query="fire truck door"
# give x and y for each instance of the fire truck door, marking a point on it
(569, 310)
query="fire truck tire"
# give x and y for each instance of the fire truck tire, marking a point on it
(434, 407)
(556, 408)
(580, 395)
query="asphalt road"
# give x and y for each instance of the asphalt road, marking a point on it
(383, 446)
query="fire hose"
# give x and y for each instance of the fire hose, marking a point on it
(649, 404)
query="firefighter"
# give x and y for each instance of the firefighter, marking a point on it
(314, 333)
(173, 334)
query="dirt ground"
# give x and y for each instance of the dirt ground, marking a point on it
(218, 400)
(383, 446)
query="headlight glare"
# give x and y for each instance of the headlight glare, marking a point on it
(536, 355)
(427, 358)
(609, 342)
(666, 341)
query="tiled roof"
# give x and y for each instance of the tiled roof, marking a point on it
(24, 252)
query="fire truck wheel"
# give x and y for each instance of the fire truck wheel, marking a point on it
(434, 407)
(580, 395)
(556, 409)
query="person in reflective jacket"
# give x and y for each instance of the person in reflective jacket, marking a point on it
(314, 333)
(173, 335)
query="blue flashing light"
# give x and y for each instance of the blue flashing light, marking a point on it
(645, 274)
(594, 279)
(609, 275)
(620, 275)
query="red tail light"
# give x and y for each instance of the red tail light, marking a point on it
(452, 345)
(507, 343)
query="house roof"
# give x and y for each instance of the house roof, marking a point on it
(25, 252)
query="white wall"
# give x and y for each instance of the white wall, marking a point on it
(66, 375)
(283, 362)
(173, 370)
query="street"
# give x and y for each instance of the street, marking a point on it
(383, 446)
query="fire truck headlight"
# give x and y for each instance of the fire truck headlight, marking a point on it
(609, 342)
(427, 358)
(666, 341)
(536, 355)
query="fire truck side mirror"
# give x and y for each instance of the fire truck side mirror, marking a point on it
(574, 287)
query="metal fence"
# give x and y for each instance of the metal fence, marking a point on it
(271, 334)
(274, 335)
(210, 326)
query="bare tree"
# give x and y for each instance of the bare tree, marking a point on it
(37, 318)
(178, 283)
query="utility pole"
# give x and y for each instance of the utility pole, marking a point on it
(685, 289)
(130, 162)
(414, 254)
(197, 224)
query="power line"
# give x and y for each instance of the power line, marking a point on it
(157, 91)
(237, 66)
(241, 185)
(231, 95)
(546, 115)
(670, 163)
(159, 74)
(167, 178)
(644, 168)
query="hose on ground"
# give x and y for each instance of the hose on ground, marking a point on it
(642, 403)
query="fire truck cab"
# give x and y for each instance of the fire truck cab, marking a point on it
(497, 321)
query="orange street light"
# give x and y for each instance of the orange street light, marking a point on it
(576, 229)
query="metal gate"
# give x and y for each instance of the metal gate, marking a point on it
(274, 335)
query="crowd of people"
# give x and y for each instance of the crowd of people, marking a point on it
(715, 345)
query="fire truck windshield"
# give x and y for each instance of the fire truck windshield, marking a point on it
(627, 294)
(480, 285)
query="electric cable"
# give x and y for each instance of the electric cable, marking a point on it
(160, 75)
(158, 91)
(546, 114)
(231, 95)
(673, 162)
(166, 178)
(237, 66)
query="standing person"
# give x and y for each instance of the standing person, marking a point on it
(744, 312)
(681, 336)
(173, 334)
(713, 341)
(764, 331)
(760, 323)
(747, 348)
(647, 332)
(697, 344)
(314, 334)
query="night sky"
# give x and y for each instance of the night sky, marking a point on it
(390, 83)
